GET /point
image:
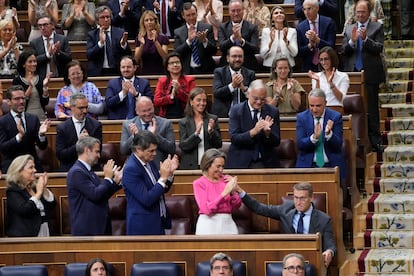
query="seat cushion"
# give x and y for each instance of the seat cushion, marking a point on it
(78, 269)
(203, 268)
(276, 269)
(151, 269)
(26, 270)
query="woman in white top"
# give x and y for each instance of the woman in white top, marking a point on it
(333, 82)
(278, 39)
(211, 12)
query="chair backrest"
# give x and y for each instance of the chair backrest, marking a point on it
(203, 269)
(276, 269)
(26, 270)
(78, 269)
(182, 215)
(150, 269)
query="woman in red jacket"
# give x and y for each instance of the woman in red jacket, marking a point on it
(172, 91)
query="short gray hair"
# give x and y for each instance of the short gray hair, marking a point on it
(256, 84)
(304, 186)
(317, 92)
(314, 3)
(293, 255)
(86, 142)
(221, 257)
(76, 96)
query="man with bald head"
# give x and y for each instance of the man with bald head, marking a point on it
(147, 120)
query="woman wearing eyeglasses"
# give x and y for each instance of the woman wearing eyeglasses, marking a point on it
(171, 93)
(333, 82)
(76, 81)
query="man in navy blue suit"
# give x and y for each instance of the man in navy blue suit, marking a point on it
(105, 45)
(122, 92)
(314, 124)
(87, 194)
(314, 33)
(126, 15)
(254, 129)
(145, 186)
(74, 128)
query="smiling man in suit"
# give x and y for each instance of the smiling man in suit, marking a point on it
(230, 83)
(122, 92)
(254, 129)
(73, 129)
(194, 41)
(52, 50)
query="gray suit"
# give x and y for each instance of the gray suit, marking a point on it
(189, 141)
(165, 136)
(372, 59)
(319, 222)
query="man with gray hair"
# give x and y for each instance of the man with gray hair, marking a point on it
(293, 264)
(221, 264)
(74, 128)
(87, 194)
(254, 129)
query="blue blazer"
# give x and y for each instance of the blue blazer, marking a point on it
(143, 197)
(124, 109)
(242, 146)
(66, 138)
(333, 147)
(88, 201)
(96, 55)
(130, 22)
(326, 32)
(10, 148)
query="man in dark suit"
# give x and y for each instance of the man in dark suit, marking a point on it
(122, 92)
(20, 132)
(145, 187)
(74, 128)
(299, 217)
(105, 45)
(362, 49)
(239, 32)
(327, 8)
(172, 18)
(52, 50)
(194, 41)
(231, 82)
(87, 194)
(314, 33)
(146, 120)
(254, 129)
(126, 15)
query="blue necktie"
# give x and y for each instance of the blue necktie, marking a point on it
(194, 52)
(299, 230)
(108, 49)
(358, 63)
(146, 125)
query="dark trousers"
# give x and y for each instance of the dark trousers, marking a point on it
(371, 91)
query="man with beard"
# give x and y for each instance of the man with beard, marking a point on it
(88, 195)
(230, 83)
(122, 92)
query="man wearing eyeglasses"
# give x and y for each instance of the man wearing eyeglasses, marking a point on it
(52, 50)
(221, 264)
(254, 129)
(298, 217)
(293, 264)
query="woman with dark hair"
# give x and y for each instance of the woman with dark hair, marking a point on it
(28, 199)
(199, 130)
(171, 93)
(215, 196)
(76, 81)
(283, 91)
(36, 91)
(333, 82)
(151, 47)
(97, 267)
(278, 39)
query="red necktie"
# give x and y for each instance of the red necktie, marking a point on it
(164, 16)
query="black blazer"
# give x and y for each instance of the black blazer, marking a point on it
(61, 58)
(222, 95)
(9, 147)
(66, 138)
(130, 22)
(23, 219)
(189, 142)
(206, 54)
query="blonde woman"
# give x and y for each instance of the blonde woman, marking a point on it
(78, 17)
(9, 13)
(10, 50)
(151, 47)
(257, 13)
(211, 12)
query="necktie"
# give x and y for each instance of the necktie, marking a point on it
(256, 153)
(52, 65)
(236, 95)
(108, 49)
(163, 210)
(80, 127)
(315, 58)
(194, 52)
(19, 115)
(320, 160)
(164, 16)
(146, 125)
(299, 230)
(358, 62)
